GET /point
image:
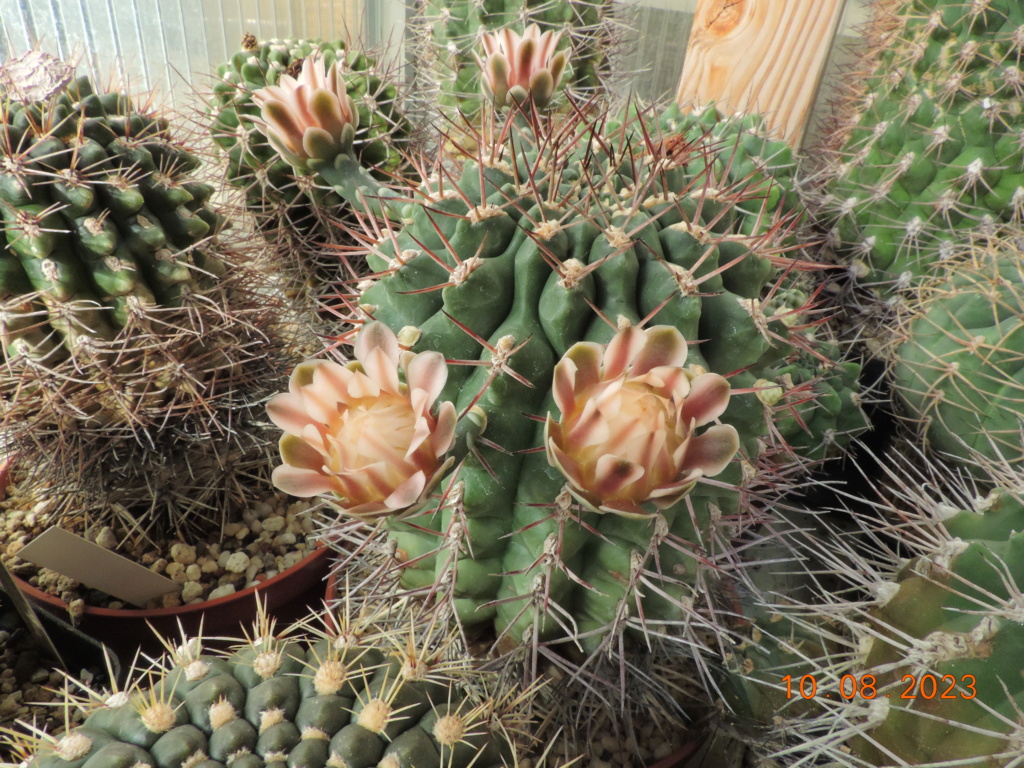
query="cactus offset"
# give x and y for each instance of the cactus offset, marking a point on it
(132, 328)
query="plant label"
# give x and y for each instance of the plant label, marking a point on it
(96, 567)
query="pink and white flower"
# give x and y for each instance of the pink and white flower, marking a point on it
(521, 67)
(309, 117)
(627, 434)
(359, 432)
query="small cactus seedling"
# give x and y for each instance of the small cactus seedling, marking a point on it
(136, 338)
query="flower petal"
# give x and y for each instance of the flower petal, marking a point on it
(296, 452)
(303, 483)
(707, 400)
(712, 451)
(663, 346)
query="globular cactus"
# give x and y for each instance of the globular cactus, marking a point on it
(625, 256)
(930, 142)
(291, 206)
(903, 653)
(939, 646)
(133, 326)
(359, 694)
(448, 33)
(956, 356)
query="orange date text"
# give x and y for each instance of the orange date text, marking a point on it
(926, 686)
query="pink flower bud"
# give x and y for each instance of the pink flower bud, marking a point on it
(520, 68)
(627, 434)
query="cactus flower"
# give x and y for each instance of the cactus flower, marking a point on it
(629, 417)
(309, 117)
(360, 433)
(520, 67)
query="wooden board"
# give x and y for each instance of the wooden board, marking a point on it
(762, 56)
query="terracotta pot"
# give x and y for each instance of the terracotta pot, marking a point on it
(287, 596)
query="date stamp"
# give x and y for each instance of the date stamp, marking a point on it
(926, 686)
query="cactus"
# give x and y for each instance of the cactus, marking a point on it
(931, 143)
(447, 34)
(362, 693)
(544, 242)
(290, 204)
(133, 330)
(956, 358)
(904, 646)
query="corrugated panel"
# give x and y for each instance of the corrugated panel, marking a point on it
(169, 46)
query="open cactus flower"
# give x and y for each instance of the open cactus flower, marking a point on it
(309, 117)
(519, 68)
(360, 433)
(629, 414)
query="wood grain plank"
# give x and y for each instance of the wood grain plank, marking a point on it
(760, 55)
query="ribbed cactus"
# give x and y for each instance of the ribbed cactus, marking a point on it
(563, 245)
(356, 695)
(132, 325)
(904, 655)
(447, 36)
(930, 143)
(942, 646)
(957, 358)
(291, 205)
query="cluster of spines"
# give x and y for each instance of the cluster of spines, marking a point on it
(931, 143)
(126, 309)
(292, 208)
(367, 692)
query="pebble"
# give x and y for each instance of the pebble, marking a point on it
(285, 540)
(191, 591)
(10, 704)
(237, 562)
(171, 600)
(193, 572)
(274, 524)
(175, 572)
(222, 591)
(158, 566)
(106, 538)
(183, 553)
(291, 558)
(208, 565)
(261, 509)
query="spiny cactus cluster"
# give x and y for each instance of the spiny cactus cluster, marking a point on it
(366, 693)
(958, 357)
(289, 202)
(132, 324)
(930, 145)
(451, 65)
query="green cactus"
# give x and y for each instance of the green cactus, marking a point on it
(447, 33)
(363, 694)
(131, 323)
(958, 364)
(931, 143)
(951, 621)
(291, 206)
(530, 251)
